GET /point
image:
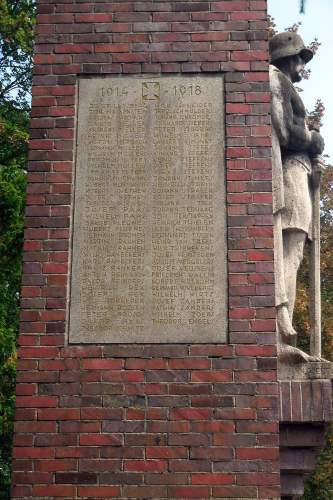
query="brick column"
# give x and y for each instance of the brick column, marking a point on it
(148, 421)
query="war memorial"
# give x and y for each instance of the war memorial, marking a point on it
(173, 185)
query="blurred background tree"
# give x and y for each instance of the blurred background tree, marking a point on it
(16, 48)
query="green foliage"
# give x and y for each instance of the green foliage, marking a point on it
(320, 483)
(13, 154)
(16, 48)
(272, 28)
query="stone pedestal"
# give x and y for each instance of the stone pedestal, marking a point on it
(313, 370)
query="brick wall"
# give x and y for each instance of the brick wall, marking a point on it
(143, 421)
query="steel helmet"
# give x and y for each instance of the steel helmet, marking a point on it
(288, 44)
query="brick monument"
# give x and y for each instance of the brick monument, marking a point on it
(148, 361)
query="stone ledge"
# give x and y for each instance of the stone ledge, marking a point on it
(311, 370)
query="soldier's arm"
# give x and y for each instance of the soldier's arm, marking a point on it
(279, 109)
(292, 135)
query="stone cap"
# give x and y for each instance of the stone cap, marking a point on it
(310, 370)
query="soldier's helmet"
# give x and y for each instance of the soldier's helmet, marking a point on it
(288, 44)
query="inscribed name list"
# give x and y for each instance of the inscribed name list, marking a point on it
(149, 231)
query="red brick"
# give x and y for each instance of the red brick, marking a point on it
(143, 491)
(258, 350)
(101, 440)
(236, 492)
(256, 376)
(20, 491)
(229, 5)
(257, 453)
(214, 427)
(166, 452)
(189, 466)
(31, 477)
(209, 478)
(111, 47)
(101, 413)
(99, 491)
(191, 414)
(77, 452)
(59, 414)
(33, 452)
(94, 18)
(258, 479)
(236, 413)
(189, 491)
(54, 490)
(189, 363)
(26, 389)
(212, 453)
(145, 465)
(55, 268)
(102, 364)
(211, 376)
(55, 465)
(238, 108)
(35, 427)
(210, 36)
(36, 401)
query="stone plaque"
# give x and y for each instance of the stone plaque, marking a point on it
(149, 224)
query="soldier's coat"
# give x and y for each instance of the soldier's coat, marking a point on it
(291, 163)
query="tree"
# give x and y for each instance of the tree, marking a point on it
(16, 46)
(320, 484)
(13, 152)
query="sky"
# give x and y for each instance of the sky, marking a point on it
(317, 22)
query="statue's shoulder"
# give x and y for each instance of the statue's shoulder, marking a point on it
(273, 70)
(274, 79)
(276, 76)
(278, 81)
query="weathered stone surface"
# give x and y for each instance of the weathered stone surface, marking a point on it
(149, 243)
(306, 371)
(297, 166)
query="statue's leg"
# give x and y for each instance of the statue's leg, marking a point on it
(281, 297)
(293, 249)
(293, 246)
(284, 324)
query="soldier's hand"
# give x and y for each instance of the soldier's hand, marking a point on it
(317, 144)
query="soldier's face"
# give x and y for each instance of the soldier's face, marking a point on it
(296, 65)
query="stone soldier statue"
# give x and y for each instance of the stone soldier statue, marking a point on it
(296, 172)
